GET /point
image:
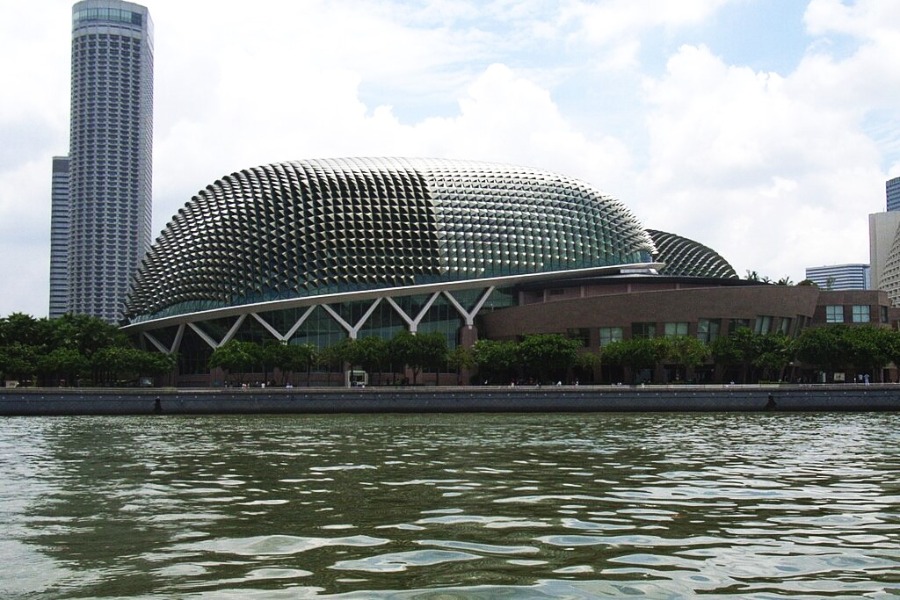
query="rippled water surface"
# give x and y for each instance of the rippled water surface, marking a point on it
(451, 506)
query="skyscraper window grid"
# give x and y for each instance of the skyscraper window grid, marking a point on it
(892, 192)
(110, 153)
(59, 238)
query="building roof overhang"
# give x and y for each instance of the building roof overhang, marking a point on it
(648, 269)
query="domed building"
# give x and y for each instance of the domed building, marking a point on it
(316, 251)
(687, 258)
(280, 234)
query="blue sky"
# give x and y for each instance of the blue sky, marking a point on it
(764, 129)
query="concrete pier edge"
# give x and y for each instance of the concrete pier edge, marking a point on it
(549, 399)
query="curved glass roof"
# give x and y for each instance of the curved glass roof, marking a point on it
(687, 258)
(312, 227)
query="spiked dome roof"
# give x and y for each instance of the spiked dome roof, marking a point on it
(686, 258)
(315, 227)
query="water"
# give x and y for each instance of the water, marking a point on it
(451, 506)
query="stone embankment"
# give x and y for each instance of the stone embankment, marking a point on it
(681, 398)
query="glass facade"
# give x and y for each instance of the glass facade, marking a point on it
(105, 14)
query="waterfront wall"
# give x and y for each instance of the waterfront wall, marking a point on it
(74, 401)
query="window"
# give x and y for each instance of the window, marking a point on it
(763, 324)
(735, 324)
(708, 329)
(609, 335)
(786, 325)
(884, 314)
(581, 334)
(675, 329)
(860, 314)
(834, 314)
(643, 330)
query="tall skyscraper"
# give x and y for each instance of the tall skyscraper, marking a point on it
(110, 154)
(59, 238)
(892, 191)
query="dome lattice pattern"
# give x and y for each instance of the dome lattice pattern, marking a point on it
(687, 258)
(313, 227)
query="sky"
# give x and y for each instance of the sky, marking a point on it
(764, 129)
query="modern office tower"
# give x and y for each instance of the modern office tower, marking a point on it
(892, 191)
(110, 153)
(840, 277)
(883, 229)
(59, 237)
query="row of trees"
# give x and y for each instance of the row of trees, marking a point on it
(73, 350)
(546, 357)
(743, 356)
(84, 350)
(372, 354)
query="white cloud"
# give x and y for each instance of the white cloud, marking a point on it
(616, 21)
(758, 166)
(776, 171)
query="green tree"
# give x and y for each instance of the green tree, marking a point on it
(773, 353)
(738, 349)
(688, 353)
(497, 361)
(461, 359)
(871, 348)
(87, 334)
(19, 328)
(419, 351)
(585, 364)
(333, 357)
(19, 362)
(294, 358)
(548, 355)
(825, 348)
(154, 364)
(370, 353)
(116, 364)
(236, 358)
(637, 354)
(63, 366)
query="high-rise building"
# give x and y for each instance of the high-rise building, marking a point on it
(882, 233)
(840, 277)
(110, 153)
(59, 237)
(892, 191)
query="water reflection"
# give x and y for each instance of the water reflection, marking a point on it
(452, 506)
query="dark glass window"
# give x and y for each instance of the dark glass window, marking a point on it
(643, 330)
